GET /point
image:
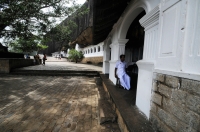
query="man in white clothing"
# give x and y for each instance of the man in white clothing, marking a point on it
(120, 72)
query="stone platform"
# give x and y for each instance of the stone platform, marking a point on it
(6, 65)
(130, 119)
(50, 104)
(47, 99)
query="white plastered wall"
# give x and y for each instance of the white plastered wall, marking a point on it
(94, 48)
(179, 48)
(119, 40)
(172, 42)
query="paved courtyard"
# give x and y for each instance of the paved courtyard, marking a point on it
(54, 64)
(50, 104)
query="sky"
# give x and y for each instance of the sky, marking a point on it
(77, 1)
(81, 1)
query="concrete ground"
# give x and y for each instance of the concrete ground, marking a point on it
(51, 104)
(55, 64)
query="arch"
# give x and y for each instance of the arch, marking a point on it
(98, 48)
(94, 49)
(127, 22)
(135, 8)
(91, 50)
(88, 51)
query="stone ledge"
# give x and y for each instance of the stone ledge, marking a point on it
(6, 65)
(93, 60)
(130, 118)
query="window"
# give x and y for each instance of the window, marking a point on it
(98, 48)
(91, 50)
(94, 49)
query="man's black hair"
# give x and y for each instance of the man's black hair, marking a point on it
(122, 56)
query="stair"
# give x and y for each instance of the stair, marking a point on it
(105, 109)
(54, 73)
(129, 117)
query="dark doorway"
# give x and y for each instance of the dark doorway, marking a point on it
(134, 46)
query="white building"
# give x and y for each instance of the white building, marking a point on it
(168, 61)
(62, 53)
(93, 53)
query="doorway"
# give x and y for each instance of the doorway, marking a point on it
(134, 53)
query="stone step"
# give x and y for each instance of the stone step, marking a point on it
(106, 113)
(105, 109)
(130, 118)
(55, 73)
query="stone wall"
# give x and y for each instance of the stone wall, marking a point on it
(11, 55)
(175, 104)
(93, 60)
(8, 64)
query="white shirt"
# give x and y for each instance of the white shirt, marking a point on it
(121, 68)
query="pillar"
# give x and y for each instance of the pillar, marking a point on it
(117, 48)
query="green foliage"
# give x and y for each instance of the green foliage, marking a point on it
(61, 34)
(20, 20)
(23, 18)
(41, 47)
(75, 55)
(33, 43)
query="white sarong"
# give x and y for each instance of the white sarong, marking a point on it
(121, 73)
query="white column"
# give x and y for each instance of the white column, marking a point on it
(146, 66)
(117, 48)
(106, 58)
(150, 22)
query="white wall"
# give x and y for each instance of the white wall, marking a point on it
(179, 48)
(92, 47)
(172, 42)
(191, 54)
(119, 41)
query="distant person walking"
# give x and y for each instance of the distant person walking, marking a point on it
(44, 58)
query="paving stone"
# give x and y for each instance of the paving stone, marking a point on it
(188, 117)
(159, 77)
(179, 96)
(153, 107)
(47, 103)
(193, 103)
(164, 90)
(191, 86)
(172, 81)
(155, 86)
(167, 118)
(158, 124)
(157, 98)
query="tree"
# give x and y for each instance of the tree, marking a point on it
(30, 44)
(23, 18)
(61, 34)
(41, 47)
(75, 55)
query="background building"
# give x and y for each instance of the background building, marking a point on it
(161, 36)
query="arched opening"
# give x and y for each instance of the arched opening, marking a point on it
(134, 53)
(98, 48)
(91, 50)
(88, 51)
